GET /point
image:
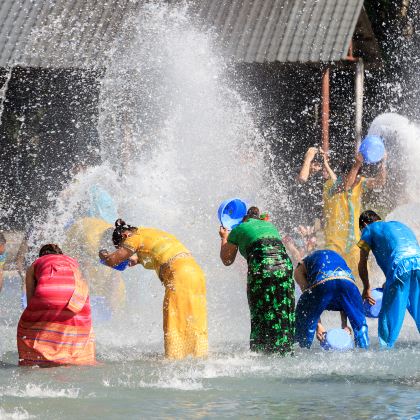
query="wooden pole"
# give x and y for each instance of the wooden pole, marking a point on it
(325, 109)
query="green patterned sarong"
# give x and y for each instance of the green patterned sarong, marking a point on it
(271, 297)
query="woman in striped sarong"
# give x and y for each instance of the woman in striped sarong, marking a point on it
(56, 327)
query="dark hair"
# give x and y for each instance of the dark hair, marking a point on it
(120, 228)
(368, 217)
(50, 249)
(252, 213)
(2, 238)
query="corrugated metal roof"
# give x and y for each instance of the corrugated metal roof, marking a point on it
(283, 30)
(78, 33)
(59, 33)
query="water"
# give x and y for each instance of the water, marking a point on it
(177, 139)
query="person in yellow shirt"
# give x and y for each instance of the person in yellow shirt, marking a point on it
(342, 208)
(184, 305)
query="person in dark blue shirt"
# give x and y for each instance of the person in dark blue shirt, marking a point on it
(397, 252)
(327, 283)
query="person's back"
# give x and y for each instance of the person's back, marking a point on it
(325, 265)
(250, 231)
(390, 242)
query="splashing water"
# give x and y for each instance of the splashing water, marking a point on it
(177, 139)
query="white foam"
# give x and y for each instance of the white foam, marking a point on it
(37, 391)
(18, 413)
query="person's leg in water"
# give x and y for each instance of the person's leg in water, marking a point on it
(414, 298)
(350, 300)
(394, 305)
(309, 309)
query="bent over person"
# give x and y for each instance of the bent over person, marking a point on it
(397, 252)
(185, 305)
(328, 284)
(56, 327)
(270, 289)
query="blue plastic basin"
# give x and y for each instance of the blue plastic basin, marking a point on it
(231, 212)
(120, 267)
(372, 311)
(372, 149)
(337, 339)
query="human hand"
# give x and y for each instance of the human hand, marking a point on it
(366, 295)
(223, 232)
(347, 329)
(311, 152)
(103, 253)
(320, 332)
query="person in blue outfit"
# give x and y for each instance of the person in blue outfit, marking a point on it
(397, 253)
(327, 283)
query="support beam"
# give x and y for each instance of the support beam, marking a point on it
(326, 109)
(358, 94)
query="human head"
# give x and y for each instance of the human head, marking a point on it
(50, 249)
(368, 217)
(121, 232)
(2, 243)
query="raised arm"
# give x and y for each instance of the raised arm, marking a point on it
(352, 175)
(380, 179)
(306, 166)
(331, 174)
(227, 251)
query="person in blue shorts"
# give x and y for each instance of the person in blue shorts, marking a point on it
(327, 283)
(397, 252)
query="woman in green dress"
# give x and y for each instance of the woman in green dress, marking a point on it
(271, 291)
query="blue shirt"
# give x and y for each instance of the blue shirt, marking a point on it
(390, 242)
(326, 264)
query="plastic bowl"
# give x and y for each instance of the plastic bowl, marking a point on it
(372, 311)
(372, 149)
(337, 339)
(231, 212)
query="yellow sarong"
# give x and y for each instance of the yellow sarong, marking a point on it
(341, 218)
(185, 304)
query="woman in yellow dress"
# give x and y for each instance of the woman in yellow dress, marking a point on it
(184, 305)
(342, 208)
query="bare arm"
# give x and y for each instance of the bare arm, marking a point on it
(352, 175)
(20, 258)
(306, 166)
(331, 174)
(380, 179)
(30, 283)
(300, 276)
(116, 257)
(364, 275)
(227, 251)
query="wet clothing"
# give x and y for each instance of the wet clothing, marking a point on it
(270, 286)
(308, 196)
(397, 252)
(102, 205)
(184, 305)
(56, 326)
(250, 231)
(341, 220)
(332, 287)
(2, 260)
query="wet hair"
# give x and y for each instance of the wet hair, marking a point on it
(252, 213)
(120, 228)
(2, 238)
(368, 217)
(50, 249)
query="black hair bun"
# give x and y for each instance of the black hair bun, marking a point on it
(119, 222)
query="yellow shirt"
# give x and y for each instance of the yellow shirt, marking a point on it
(154, 247)
(341, 215)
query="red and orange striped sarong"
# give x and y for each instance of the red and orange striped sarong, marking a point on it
(56, 327)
